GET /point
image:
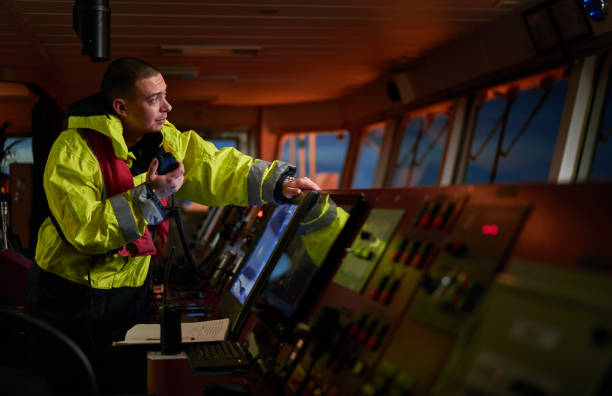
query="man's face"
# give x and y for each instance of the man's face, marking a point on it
(147, 108)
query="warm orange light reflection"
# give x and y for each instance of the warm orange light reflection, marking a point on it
(437, 108)
(524, 83)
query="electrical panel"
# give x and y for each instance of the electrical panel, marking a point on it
(541, 330)
(469, 258)
(367, 248)
(458, 290)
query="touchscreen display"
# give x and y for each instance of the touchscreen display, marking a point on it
(246, 279)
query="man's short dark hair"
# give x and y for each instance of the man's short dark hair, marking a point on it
(121, 75)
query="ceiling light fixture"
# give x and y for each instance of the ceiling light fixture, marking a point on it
(210, 50)
(505, 4)
(193, 73)
(186, 72)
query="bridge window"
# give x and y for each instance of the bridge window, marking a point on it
(19, 150)
(420, 151)
(15, 150)
(222, 137)
(369, 151)
(515, 127)
(319, 156)
(221, 143)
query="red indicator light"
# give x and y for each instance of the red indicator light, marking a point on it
(437, 221)
(490, 229)
(363, 336)
(424, 222)
(260, 214)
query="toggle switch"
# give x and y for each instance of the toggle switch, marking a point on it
(364, 334)
(388, 293)
(440, 219)
(355, 327)
(366, 235)
(429, 214)
(397, 254)
(376, 337)
(421, 255)
(410, 250)
(379, 288)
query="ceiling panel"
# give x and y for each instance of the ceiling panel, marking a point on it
(308, 51)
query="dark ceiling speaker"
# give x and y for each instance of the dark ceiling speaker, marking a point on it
(393, 91)
(555, 24)
(91, 22)
(400, 89)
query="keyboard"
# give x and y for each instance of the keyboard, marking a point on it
(218, 355)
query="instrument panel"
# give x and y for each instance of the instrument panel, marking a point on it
(458, 290)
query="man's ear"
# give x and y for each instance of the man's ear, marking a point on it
(120, 106)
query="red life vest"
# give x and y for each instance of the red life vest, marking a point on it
(117, 179)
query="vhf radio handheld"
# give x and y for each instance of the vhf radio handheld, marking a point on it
(167, 162)
(149, 147)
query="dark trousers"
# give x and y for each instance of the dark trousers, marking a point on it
(93, 318)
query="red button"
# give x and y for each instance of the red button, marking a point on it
(384, 297)
(406, 257)
(416, 261)
(381, 285)
(363, 336)
(424, 222)
(437, 221)
(373, 342)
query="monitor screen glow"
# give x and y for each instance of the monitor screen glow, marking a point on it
(246, 279)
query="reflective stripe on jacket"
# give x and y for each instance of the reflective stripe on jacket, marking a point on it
(75, 192)
(117, 178)
(320, 228)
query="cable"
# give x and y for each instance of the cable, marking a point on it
(167, 276)
(176, 214)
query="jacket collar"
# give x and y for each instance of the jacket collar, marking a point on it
(91, 113)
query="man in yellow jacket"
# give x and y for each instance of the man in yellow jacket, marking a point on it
(79, 282)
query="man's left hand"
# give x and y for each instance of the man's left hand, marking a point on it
(294, 187)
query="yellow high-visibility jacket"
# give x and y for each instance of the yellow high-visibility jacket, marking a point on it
(94, 224)
(320, 228)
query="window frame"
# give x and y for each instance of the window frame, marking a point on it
(577, 71)
(595, 119)
(398, 128)
(388, 126)
(282, 139)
